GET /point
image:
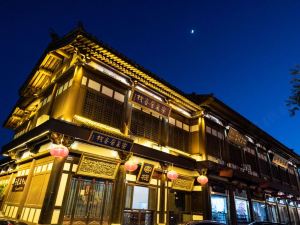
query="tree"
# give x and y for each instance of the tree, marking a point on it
(293, 102)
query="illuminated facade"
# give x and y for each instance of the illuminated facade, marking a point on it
(137, 148)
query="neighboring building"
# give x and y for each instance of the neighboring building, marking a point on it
(113, 115)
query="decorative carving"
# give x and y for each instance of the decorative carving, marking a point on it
(97, 167)
(183, 183)
(236, 137)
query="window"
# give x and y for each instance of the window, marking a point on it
(138, 197)
(145, 125)
(263, 163)
(103, 109)
(179, 133)
(235, 155)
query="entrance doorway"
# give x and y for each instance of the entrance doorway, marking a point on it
(89, 202)
(139, 205)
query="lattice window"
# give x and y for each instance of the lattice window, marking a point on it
(145, 125)
(178, 138)
(103, 109)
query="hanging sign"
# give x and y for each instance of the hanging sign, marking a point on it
(150, 103)
(19, 184)
(183, 183)
(236, 137)
(278, 160)
(145, 173)
(110, 141)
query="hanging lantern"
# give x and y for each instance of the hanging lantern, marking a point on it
(202, 179)
(131, 165)
(172, 175)
(59, 151)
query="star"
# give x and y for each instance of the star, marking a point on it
(192, 31)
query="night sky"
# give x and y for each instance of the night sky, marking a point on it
(242, 51)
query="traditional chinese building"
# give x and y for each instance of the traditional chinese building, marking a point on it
(101, 140)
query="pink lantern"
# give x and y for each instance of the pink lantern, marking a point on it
(202, 179)
(131, 165)
(172, 175)
(59, 151)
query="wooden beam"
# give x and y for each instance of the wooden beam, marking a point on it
(45, 71)
(63, 53)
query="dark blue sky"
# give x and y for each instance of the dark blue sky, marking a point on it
(241, 51)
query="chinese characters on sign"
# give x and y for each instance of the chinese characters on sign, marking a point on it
(280, 161)
(145, 173)
(150, 103)
(235, 137)
(19, 184)
(110, 141)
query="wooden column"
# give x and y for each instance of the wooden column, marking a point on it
(297, 177)
(207, 202)
(164, 132)
(72, 101)
(127, 112)
(195, 139)
(250, 205)
(53, 95)
(232, 208)
(51, 192)
(119, 196)
(202, 138)
(162, 200)
(26, 189)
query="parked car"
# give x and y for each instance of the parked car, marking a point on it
(204, 222)
(11, 222)
(265, 223)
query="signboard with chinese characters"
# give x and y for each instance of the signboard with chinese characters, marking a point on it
(236, 138)
(280, 161)
(145, 173)
(97, 167)
(150, 103)
(110, 141)
(19, 184)
(183, 183)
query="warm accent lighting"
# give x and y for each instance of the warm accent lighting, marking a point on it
(202, 179)
(172, 175)
(131, 165)
(59, 151)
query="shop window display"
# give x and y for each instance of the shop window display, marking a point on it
(259, 211)
(242, 210)
(219, 208)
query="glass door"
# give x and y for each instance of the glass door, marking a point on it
(139, 205)
(242, 210)
(272, 213)
(283, 212)
(89, 202)
(259, 211)
(219, 208)
(294, 215)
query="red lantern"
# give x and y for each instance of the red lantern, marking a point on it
(202, 179)
(172, 175)
(131, 165)
(59, 151)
